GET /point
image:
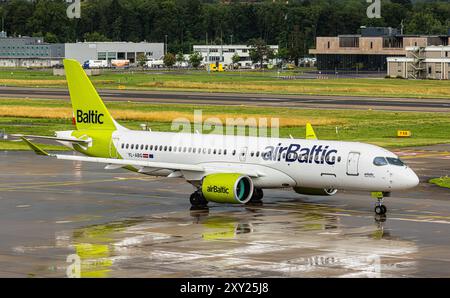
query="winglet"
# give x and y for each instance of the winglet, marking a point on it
(310, 134)
(35, 148)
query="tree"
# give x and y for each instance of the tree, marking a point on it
(259, 51)
(235, 59)
(50, 38)
(283, 55)
(180, 59)
(141, 59)
(169, 60)
(95, 36)
(195, 59)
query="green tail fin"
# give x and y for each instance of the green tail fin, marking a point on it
(88, 108)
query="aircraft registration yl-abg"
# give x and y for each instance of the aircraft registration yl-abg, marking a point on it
(225, 168)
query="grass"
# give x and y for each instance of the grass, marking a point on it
(442, 182)
(376, 127)
(242, 82)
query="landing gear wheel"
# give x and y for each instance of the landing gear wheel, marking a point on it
(257, 196)
(197, 199)
(380, 210)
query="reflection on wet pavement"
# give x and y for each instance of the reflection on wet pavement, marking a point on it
(83, 221)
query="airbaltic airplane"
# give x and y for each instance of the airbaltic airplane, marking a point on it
(226, 169)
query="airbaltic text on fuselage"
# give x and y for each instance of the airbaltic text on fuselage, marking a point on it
(91, 117)
(318, 154)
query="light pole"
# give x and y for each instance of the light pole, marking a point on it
(165, 45)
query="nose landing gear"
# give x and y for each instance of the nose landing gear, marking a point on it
(380, 209)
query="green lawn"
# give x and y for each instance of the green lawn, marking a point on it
(242, 82)
(377, 127)
(442, 182)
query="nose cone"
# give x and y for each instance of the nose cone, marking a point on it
(411, 179)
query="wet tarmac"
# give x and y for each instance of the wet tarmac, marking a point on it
(68, 218)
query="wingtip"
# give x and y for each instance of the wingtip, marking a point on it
(35, 148)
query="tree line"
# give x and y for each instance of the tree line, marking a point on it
(293, 25)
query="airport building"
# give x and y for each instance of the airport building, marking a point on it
(369, 50)
(84, 51)
(431, 62)
(24, 51)
(224, 54)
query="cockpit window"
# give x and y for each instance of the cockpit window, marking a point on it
(395, 162)
(380, 161)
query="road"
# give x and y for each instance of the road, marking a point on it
(121, 224)
(294, 101)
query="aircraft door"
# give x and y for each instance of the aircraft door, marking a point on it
(353, 164)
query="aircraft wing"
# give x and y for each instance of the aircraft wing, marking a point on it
(143, 166)
(310, 133)
(69, 140)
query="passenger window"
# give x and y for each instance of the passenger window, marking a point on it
(225, 152)
(252, 154)
(146, 147)
(194, 150)
(170, 148)
(209, 151)
(142, 147)
(165, 148)
(160, 148)
(234, 152)
(215, 152)
(190, 149)
(220, 151)
(151, 147)
(257, 154)
(380, 161)
(128, 146)
(132, 146)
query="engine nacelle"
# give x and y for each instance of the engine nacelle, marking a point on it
(227, 188)
(315, 191)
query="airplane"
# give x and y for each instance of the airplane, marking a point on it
(226, 169)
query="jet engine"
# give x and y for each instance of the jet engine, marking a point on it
(315, 191)
(227, 188)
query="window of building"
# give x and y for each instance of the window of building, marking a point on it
(371, 45)
(328, 45)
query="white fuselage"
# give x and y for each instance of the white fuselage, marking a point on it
(278, 163)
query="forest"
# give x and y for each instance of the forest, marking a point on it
(291, 24)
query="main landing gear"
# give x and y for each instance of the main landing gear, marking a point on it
(257, 197)
(198, 200)
(380, 209)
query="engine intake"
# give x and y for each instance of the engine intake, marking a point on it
(227, 188)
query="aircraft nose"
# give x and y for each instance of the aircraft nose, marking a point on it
(411, 179)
